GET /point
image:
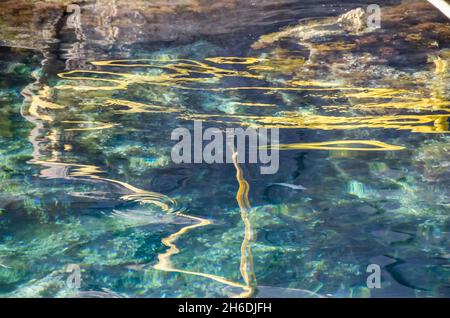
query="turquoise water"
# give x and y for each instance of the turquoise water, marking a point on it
(87, 178)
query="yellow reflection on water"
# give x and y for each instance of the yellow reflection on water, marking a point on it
(246, 267)
(378, 107)
(74, 170)
(246, 264)
(135, 107)
(235, 60)
(413, 123)
(57, 169)
(85, 125)
(354, 145)
(172, 72)
(178, 73)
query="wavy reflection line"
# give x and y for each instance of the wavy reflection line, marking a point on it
(246, 263)
(235, 60)
(246, 267)
(90, 171)
(136, 107)
(165, 264)
(143, 196)
(399, 122)
(407, 103)
(186, 67)
(337, 145)
(182, 76)
(63, 170)
(252, 104)
(120, 84)
(291, 120)
(181, 71)
(38, 102)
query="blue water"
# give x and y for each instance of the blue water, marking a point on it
(87, 180)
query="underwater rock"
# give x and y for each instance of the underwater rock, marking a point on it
(9, 200)
(33, 24)
(367, 209)
(30, 24)
(390, 287)
(390, 174)
(44, 287)
(91, 200)
(302, 242)
(389, 237)
(345, 49)
(145, 217)
(433, 160)
(354, 21)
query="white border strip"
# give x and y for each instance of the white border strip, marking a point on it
(442, 6)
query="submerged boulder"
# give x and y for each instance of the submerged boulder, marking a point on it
(347, 46)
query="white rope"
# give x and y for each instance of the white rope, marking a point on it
(442, 6)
